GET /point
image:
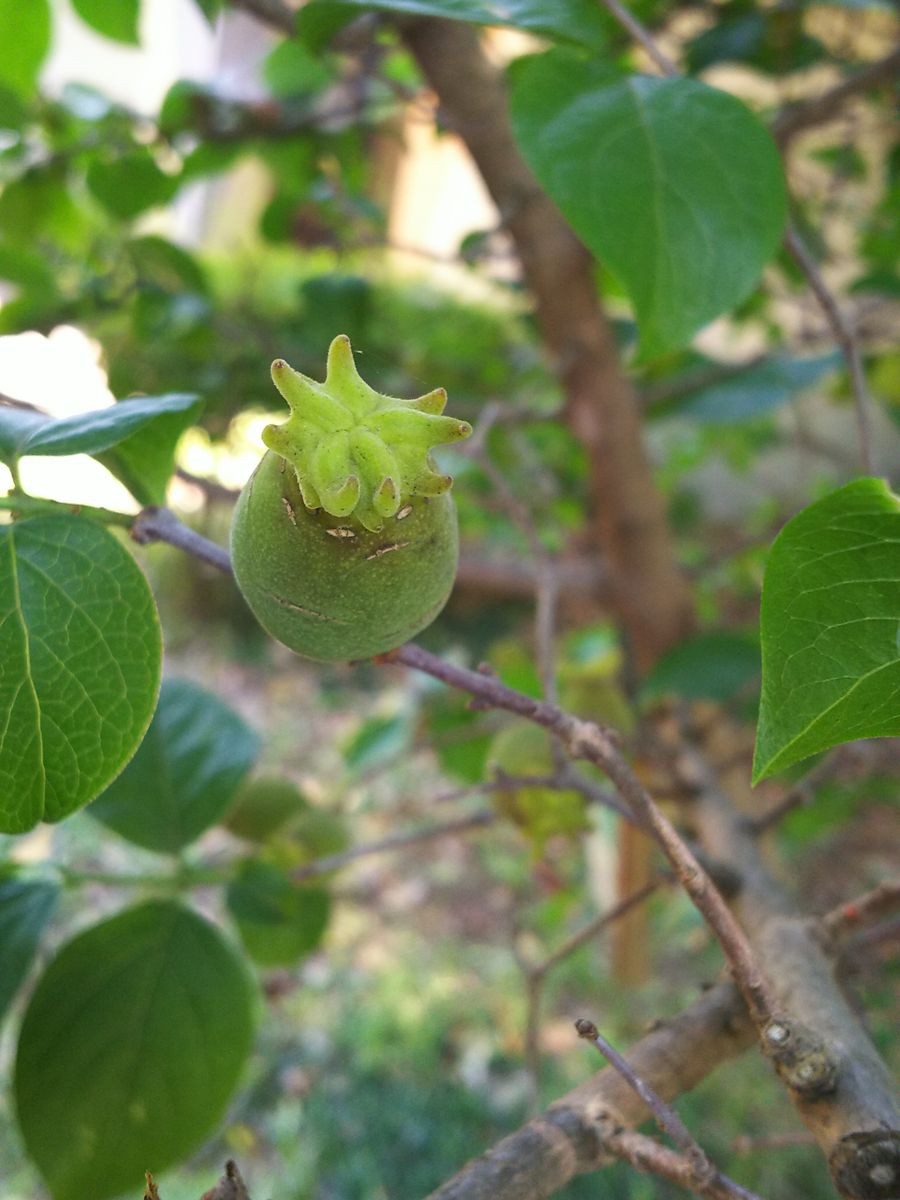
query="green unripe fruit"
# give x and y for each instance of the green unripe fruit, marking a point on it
(344, 540)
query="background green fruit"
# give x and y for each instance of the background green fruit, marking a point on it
(333, 591)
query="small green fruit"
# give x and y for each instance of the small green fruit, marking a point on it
(344, 540)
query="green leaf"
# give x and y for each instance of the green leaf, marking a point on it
(712, 666)
(831, 627)
(675, 186)
(24, 432)
(162, 263)
(573, 20)
(131, 1047)
(293, 70)
(185, 774)
(80, 654)
(13, 111)
(129, 185)
(144, 462)
(376, 741)
(26, 34)
(278, 921)
(754, 392)
(116, 19)
(26, 907)
(210, 9)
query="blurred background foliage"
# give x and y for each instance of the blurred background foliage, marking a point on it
(257, 210)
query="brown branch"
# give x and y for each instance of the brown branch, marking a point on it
(845, 920)
(397, 841)
(794, 118)
(161, 525)
(695, 1169)
(844, 335)
(835, 1078)
(648, 1156)
(229, 1187)
(566, 1140)
(744, 1144)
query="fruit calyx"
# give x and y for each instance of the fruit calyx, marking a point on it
(355, 451)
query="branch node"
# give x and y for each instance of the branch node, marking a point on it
(801, 1058)
(866, 1166)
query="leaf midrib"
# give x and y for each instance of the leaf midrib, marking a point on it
(29, 678)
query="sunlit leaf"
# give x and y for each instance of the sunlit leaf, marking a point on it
(80, 655)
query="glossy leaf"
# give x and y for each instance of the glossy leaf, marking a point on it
(753, 393)
(129, 185)
(145, 461)
(116, 19)
(131, 1047)
(24, 432)
(675, 186)
(573, 20)
(26, 28)
(185, 774)
(831, 627)
(279, 921)
(712, 666)
(80, 654)
(26, 906)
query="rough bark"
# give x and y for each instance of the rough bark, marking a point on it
(838, 1084)
(566, 1140)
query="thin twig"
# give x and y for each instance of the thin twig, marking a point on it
(845, 336)
(594, 927)
(632, 25)
(816, 111)
(397, 841)
(800, 795)
(230, 1187)
(867, 909)
(161, 525)
(536, 975)
(745, 1144)
(649, 1156)
(703, 1176)
(665, 1116)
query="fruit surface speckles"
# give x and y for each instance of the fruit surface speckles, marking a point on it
(351, 548)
